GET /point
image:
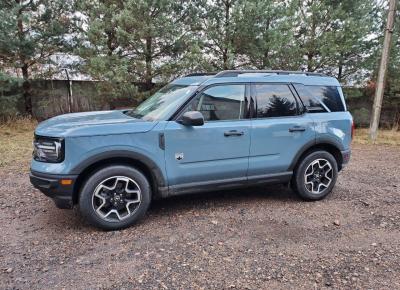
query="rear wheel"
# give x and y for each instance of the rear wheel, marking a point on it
(115, 197)
(315, 176)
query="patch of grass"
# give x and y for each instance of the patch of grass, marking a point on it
(16, 143)
(385, 137)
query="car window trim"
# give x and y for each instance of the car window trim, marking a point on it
(323, 106)
(254, 95)
(177, 114)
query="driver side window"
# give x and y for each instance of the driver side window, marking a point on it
(219, 103)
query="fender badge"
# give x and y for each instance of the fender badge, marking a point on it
(179, 156)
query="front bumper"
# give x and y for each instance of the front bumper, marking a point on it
(50, 185)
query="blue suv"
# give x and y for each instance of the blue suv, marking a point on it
(202, 132)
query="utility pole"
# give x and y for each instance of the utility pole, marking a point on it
(380, 85)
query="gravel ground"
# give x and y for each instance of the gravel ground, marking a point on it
(243, 239)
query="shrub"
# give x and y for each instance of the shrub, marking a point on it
(361, 117)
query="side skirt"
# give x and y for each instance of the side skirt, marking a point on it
(224, 184)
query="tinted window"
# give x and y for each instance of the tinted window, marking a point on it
(225, 102)
(274, 101)
(316, 98)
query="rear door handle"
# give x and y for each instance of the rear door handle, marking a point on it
(233, 133)
(297, 129)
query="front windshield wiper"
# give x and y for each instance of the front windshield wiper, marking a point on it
(133, 114)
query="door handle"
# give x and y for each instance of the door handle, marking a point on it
(233, 133)
(297, 129)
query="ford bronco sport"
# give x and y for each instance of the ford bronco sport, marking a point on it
(201, 132)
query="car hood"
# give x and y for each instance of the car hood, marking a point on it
(92, 123)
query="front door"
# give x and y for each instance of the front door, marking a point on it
(213, 153)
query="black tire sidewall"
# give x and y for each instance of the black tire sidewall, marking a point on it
(85, 197)
(299, 185)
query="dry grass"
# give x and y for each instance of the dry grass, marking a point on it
(385, 137)
(16, 143)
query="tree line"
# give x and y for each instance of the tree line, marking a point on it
(124, 42)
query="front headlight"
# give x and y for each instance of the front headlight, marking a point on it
(48, 149)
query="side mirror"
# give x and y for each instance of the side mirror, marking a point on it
(192, 118)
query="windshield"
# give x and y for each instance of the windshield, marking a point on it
(162, 104)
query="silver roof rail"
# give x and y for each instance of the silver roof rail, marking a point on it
(201, 74)
(235, 73)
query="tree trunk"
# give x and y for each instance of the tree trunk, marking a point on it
(340, 73)
(225, 51)
(312, 48)
(27, 89)
(396, 121)
(148, 59)
(266, 63)
(340, 68)
(110, 45)
(310, 57)
(225, 59)
(265, 60)
(26, 85)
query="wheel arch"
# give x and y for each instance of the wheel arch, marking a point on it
(325, 145)
(121, 157)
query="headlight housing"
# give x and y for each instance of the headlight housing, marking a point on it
(48, 149)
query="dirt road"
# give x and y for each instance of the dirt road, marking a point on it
(247, 239)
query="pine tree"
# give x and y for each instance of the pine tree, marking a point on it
(392, 90)
(218, 30)
(31, 31)
(136, 40)
(9, 95)
(156, 35)
(265, 36)
(334, 36)
(104, 59)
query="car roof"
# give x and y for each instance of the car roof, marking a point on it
(191, 80)
(238, 76)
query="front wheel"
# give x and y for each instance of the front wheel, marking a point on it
(315, 176)
(115, 197)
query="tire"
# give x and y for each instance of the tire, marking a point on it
(115, 197)
(315, 169)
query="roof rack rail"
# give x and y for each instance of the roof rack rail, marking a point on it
(201, 74)
(235, 73)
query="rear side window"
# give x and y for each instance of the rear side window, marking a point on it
(274, 101)
(320, 98)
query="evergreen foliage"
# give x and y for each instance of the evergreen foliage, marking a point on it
(124, 43)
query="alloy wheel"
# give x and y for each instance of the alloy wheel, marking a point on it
(318, 176)
(116, 198)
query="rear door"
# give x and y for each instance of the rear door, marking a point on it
(218, 150)
(279, 130)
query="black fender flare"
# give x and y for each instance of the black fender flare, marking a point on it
(149, 163)
(311, 144)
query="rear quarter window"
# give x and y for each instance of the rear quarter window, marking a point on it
(317, 98)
